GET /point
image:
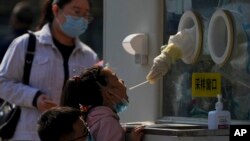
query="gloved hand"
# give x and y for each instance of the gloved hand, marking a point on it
(179, 45)
(162, 63)
(185, 41)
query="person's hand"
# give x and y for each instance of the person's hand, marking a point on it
(161, 65)
(179, 46)
(44, 103)
(185, 41)
(137, 133)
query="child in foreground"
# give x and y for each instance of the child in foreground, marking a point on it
(101, 95)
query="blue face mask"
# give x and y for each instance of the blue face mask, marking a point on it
(122, 106)
(74, 26)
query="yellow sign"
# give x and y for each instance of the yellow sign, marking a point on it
(206, 84)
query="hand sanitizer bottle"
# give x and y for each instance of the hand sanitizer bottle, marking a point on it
(219, 119)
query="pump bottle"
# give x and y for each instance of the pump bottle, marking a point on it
(219, 118)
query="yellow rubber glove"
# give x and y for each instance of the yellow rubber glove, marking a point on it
(179, 46)
(185, 41)
(162, 63)
(173, 51)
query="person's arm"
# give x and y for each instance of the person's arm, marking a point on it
(11, 73)
(179, 46)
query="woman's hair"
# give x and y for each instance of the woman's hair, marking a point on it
(47, 14)
(56, 122)
(85, 89)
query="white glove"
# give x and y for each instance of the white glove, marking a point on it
(185, 41)
(179, 46)
(161, 65)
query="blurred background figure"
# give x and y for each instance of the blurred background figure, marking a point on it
(21, 20)
(94, 34)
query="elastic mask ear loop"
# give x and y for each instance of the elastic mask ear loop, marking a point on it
(60, 24)
(102, 87)
(123, 100)
(65, 16)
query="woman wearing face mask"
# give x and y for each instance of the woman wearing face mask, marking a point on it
(59, 55)
(101, 95)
